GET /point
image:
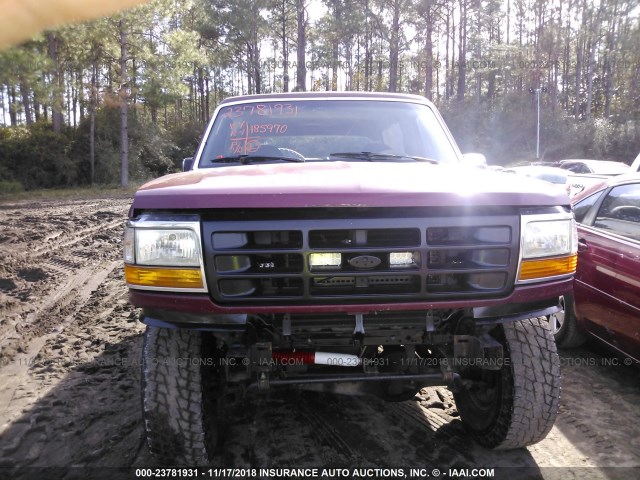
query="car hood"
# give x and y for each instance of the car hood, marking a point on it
(344, 184)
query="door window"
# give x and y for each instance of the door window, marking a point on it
(583, 207)
(620, 211)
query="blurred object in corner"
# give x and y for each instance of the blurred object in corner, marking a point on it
(21, 20)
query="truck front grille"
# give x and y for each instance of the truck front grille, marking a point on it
(360, 259)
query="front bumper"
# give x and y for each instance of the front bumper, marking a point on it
(198, 311)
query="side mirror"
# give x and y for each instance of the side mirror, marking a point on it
(187, 164)
(474, 160)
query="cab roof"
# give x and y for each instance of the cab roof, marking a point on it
(321, 95)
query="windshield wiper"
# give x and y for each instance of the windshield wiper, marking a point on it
(373, 157)
(248, 159)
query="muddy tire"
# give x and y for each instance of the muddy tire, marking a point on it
(518, 404)
(179, 393)
(566, 330)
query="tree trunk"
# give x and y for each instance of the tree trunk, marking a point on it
(508, 28)
(81, 95)
(379, 77)
(26, 102)
(285, 49)
(590, 65)
(478, 53)
(202, 99)
(74, 101)
(462, 54)
(579, 60)
(428, 55)
(394, 47)
(206, 99)
(450, 49)
(92, 120)
(192, 95)
(335, 46)
(610, 62)
(2, 107)
(368, 58)
(57, 117)
(68, 96)
(301, 67)
(592, 45)
(348, 54)
(13, 106)
(254, 76)
(124, 129)
(565, 60)
(491, 87)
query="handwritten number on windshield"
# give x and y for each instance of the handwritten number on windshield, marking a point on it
(263, 110)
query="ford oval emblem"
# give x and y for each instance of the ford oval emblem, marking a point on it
(364, 262)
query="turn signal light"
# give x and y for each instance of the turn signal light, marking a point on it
(163, 277)
(548, 267)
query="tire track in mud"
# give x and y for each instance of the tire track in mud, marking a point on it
(28, 229)
(64, 390)
(55, 310)
(613, 392)
(347, 432)
(40, 280)
(77, 388)
(334, 431)
(61, 310)
(76, 238)
(413, 434)
(325, 433)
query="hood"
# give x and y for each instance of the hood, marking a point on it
(344, 184)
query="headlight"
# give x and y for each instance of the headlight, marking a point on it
(548, 237)
(549, 245)
(163, 255)
(167, 247)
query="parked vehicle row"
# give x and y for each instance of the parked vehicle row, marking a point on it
(597, 167)
(577, 174)
(606, 301)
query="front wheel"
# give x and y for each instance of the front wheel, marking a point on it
(517, 405)
(564, 326)
(180, 396)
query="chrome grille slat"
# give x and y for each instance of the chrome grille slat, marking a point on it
(273, 263)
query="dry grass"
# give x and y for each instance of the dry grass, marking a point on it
(70, 193)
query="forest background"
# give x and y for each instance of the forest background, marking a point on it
(127, 97)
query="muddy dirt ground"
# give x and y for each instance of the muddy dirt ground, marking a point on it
(69, 381)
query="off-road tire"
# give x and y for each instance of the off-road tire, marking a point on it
(519, 404)
(179, 405)
(568, 335)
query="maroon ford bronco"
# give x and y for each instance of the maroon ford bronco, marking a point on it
(340, 241)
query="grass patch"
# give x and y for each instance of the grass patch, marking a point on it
(79, 193)
(10, 188)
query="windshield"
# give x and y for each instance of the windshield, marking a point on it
(553, 175)
(322, 130)
(602, 167)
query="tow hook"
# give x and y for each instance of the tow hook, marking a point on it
(263, 381)
(260, 360)
(358, 331)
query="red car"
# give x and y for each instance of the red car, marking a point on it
(606, 299)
